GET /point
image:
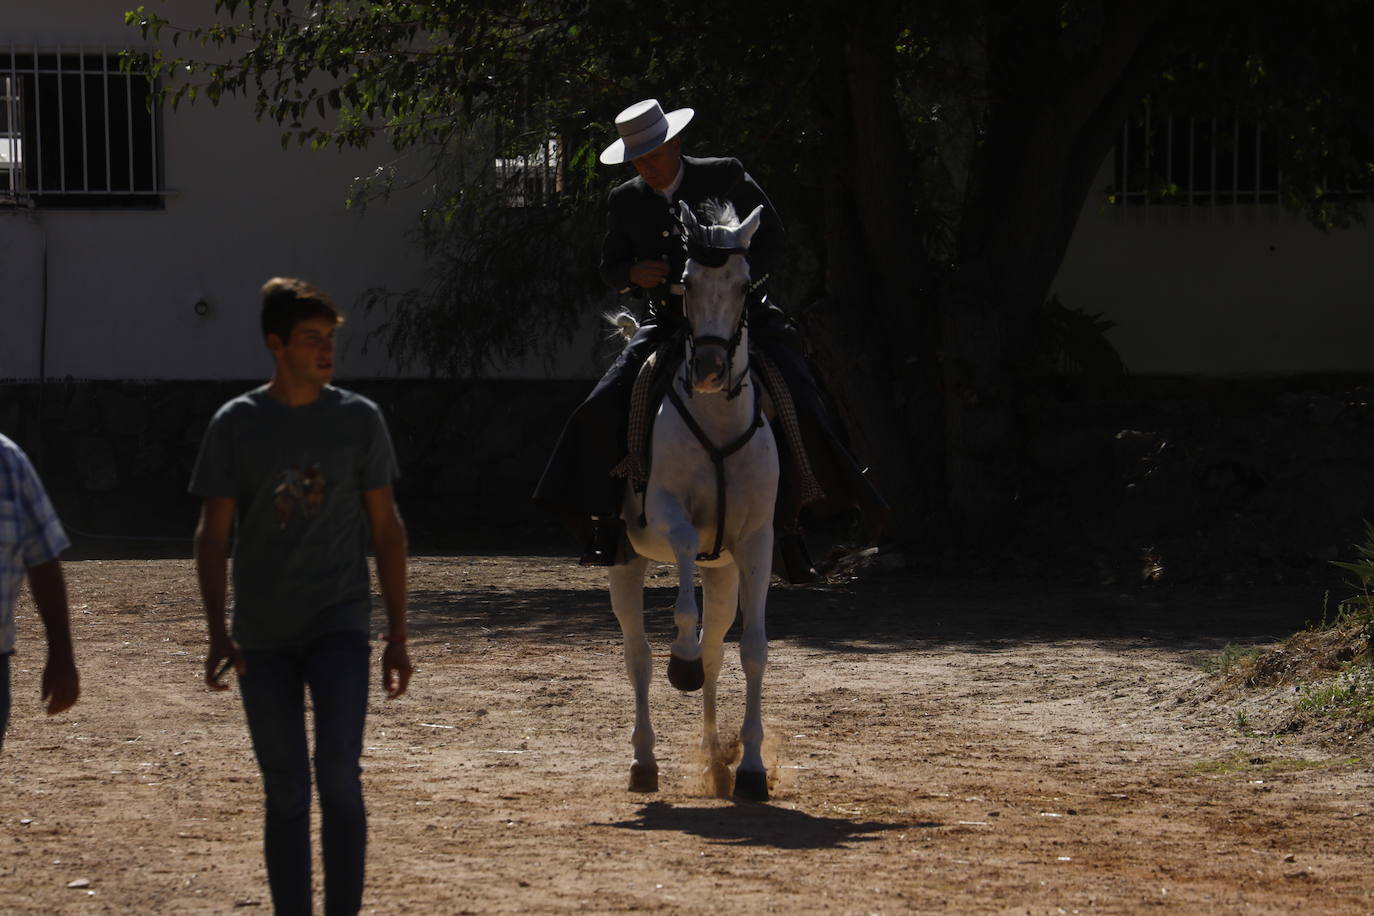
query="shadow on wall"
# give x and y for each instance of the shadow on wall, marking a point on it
(1159, 481)
(116, 456)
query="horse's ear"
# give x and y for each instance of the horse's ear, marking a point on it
(689, 219)
(746, 229)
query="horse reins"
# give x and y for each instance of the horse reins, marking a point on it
(718, 456)
(731, 347)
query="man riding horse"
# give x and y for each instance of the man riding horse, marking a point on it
(643, 255)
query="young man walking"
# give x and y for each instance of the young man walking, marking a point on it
(31, 539)
(304, 470)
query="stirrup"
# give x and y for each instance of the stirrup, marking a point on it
(603, 543)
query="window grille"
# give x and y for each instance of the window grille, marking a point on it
(76, 131)
(1192, 161)
(11, 145)
(534, 179)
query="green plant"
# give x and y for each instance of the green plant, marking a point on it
(1360, 608)
(1073, 342)
(1351, 693)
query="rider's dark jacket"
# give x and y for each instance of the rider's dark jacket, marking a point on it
(641, 226)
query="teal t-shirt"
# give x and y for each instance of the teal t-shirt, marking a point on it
(298, 475)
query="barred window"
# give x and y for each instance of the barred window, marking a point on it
(533, 179)
(1192, 161)
(76, 131)
(1209, 161)
(11, 139)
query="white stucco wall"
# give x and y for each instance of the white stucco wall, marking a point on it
(21, 295)
(122, 284)
(1233, 291)
(1245, 290)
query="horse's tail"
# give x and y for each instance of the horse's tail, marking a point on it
(627, 324)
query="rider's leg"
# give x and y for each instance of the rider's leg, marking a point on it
(576, 483)
(771, 331)
(837, 471)
(600, 423)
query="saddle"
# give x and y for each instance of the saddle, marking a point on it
(651, 386)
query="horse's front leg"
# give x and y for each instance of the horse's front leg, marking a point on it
(755, 561)
(627, 600)
(685, 671)
(720, 601)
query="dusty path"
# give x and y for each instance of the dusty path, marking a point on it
(940, 747)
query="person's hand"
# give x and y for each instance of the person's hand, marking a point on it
(396, 669)
(648, 274)
(221, 647)
(61, 685)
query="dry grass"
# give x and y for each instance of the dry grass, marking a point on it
(1331, 668)
(1306, 656)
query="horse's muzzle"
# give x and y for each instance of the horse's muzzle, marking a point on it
(709, 367)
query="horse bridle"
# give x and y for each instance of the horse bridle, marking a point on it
(709, 256)
(730, 346)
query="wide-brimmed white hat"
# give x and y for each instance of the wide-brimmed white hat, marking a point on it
(643, 128)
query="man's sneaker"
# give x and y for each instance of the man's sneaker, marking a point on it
(603, 543)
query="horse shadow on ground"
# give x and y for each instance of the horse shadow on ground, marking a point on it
(760, 825)
(887, 613)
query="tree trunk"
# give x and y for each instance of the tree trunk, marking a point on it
(875, 342)
(1051, 119)
(931, 377)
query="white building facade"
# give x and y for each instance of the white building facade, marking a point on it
(132, 246)
(1216, 277)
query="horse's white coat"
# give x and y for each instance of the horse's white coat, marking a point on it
(679, 507)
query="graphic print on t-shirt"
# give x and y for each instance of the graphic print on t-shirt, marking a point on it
(299, 492)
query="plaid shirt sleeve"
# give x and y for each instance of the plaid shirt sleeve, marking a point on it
(41, 537)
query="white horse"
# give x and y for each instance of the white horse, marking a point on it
(708, 506)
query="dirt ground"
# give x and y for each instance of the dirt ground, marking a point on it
(937, 747)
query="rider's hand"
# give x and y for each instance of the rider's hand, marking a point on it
(648, 274)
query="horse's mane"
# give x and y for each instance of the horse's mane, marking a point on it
(712, 239)
(716, 212)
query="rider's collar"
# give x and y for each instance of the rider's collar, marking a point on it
(668, 192)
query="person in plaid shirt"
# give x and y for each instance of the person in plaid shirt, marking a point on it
(31, 539)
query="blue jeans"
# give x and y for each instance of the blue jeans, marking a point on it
(335, 668)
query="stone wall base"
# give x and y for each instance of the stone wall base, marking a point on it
(116, 457)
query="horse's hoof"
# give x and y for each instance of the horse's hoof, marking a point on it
(686, 676)
(751, 786)
(643, 777)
